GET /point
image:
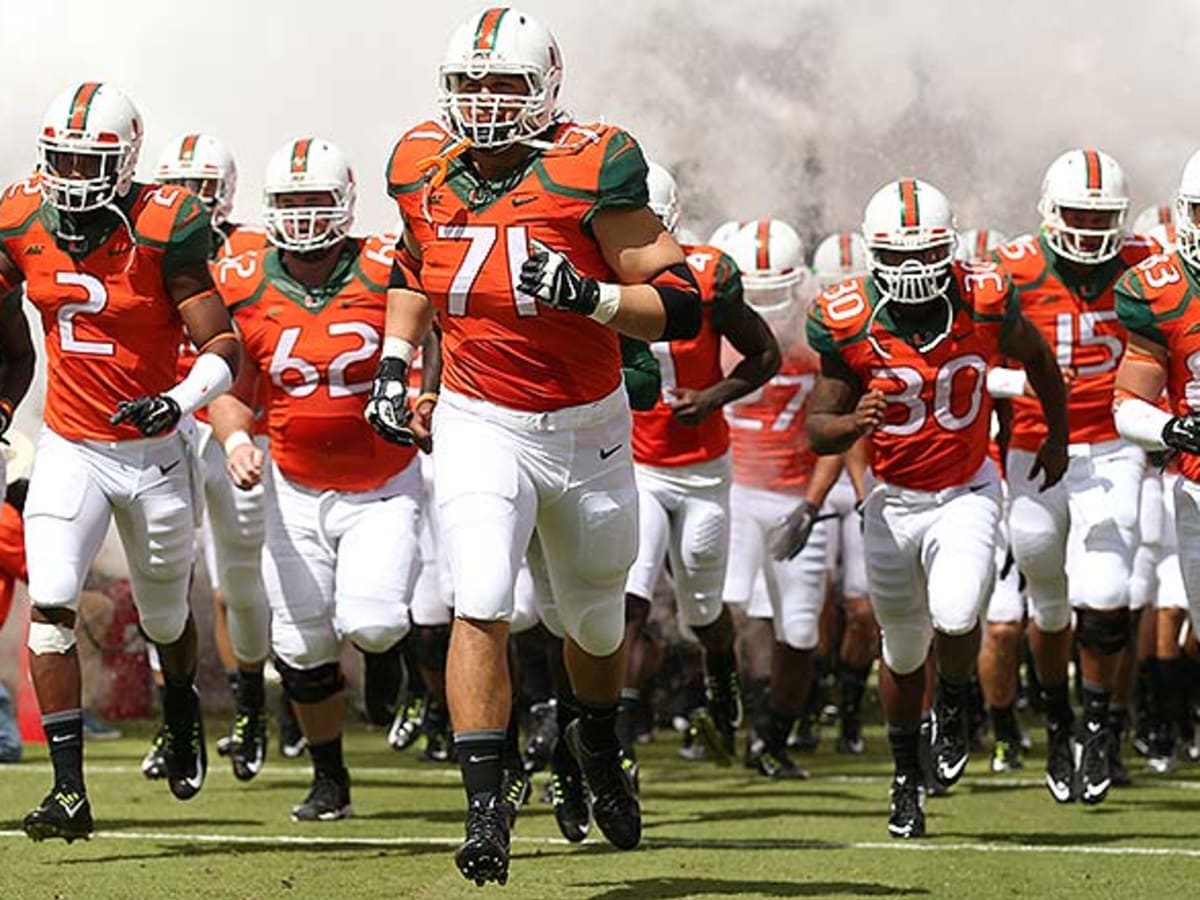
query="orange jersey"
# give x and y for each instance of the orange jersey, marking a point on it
(1160, 301)
(1078, 319)
(935, 433)
(112, 331)
(659, 439)
(766, 427)
(318, 351)
(12, 557)
(499, 344)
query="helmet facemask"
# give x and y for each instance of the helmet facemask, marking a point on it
(1187, 232)
(1085, 245)
(500, 119)
(911, 271)
(311, 226)
(80, 174)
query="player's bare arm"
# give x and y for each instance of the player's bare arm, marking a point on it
(16, 357)
(232, 418)
(1023, 342)
(839, 412)
(750, 336)
(1141, 379)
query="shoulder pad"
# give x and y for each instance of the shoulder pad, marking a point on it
(239, 278)
(587, 156)
(1138, 247)
(716, 272)
(243, 239)
(839, 314)
(18, 203)
(162, 212)
(1021, 258)
(405, 172)
(1156, 277)
(984, 286)
(376, 258)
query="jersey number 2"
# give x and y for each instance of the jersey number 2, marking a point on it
(97, 297)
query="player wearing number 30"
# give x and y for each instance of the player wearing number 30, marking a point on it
(904, 354)
(116, 269)
(1075, 543)
(341, 504)
(536, 247)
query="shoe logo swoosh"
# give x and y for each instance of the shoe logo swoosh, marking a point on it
(73, 808)
(949, 772)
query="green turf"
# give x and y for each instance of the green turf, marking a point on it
(708, 833)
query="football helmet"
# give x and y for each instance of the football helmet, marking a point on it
(500, 41)
(977, 244)
(88, 147)
(1091, 181)
(664, 195)
(203, 165)
(1153, 217)
(720, 237)
(909, 231)
(770, 255)
(839, 256)
(1187, 208)
(307, 166)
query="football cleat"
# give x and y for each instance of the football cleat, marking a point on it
(569, 796)
(806, 736)
(328, 800)
(850, 740)
(439, 743)
(948, 742)
(725, 700)
(408, 723)
(717, 736)
(154, 763)
(483, 856)
(292, 742)
(1006, 757)
(1060, 763)
(515, 789)
(907, 819)
(186, 756)
(65, 813)
(778, 765)
(692, 749)
(542, 732)
(615, 806)
(1092, 761)
(248, 745)
(754, 749)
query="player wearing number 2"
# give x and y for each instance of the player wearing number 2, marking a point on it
(535, 246)
(904, 354)
(1075, 543)
(117, 269)
(340, 557)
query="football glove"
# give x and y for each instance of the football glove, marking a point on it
(387, 409)
(793, 534)
(549, 278)
(151, 415)
(1182, 433)
(6, 417)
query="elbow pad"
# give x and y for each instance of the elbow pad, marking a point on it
(680, 297)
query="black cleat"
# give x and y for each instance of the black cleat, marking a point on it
(439, 745)
(1006, 757)
(778, 765)
(569, 796)
(408, 723)
(806, 736)
(483, 856)
(907, 819)
(328, 800)
(850, 741)
(716, 736)
(186, 756)
(1092, 752)
(615, 805)
(154, 763)
(515, 789)
(292, 742)
(248, 745)
(543, 733)
(65, 813)
(949, 742)
(1060, 763)
(383, 676)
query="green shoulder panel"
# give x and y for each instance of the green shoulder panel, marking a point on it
(1136, 313)
(621, 181)
(643, 378)
(727, 297)
(191, 237)
(820, 337)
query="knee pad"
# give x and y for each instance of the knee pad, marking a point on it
(598, 626)
(1103, 633)
(433, 645)
(46, 637)
(310, 685)
(1050, 616)
(164, 626)
(377, 638)
(905, 649)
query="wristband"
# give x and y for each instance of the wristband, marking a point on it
(238, 439)
(431, 396)
(608, 304)
(398, 347)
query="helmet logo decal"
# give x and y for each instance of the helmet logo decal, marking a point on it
(81, 103)
(908, 197)
(1092, 158)
(489, 28)
(187, 150)
(844, 250)
(762, 245)
(1164, 215)
(300, 156)
(981, 243)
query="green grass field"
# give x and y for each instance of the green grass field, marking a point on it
(708, 833)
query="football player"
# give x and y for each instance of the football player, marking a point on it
(978, 244)
(904, 355)
(337, 497)
(683, 468)
(1075, 542)
(534, 244)
(117, 270)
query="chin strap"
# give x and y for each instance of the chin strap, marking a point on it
(886, 298)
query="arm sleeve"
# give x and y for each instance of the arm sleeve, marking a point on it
(191, 240)
(1136, 314)
(643, 380)
(728, 298)
(621, 183)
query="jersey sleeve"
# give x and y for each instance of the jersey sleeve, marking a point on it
(621, 181)
(820, 338)
(727, 299)
(1135, 311)
(643, 379)
(191, 239)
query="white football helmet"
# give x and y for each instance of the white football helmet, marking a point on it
(977, 244)
(1187, 208)
(1153, 217)
(770, 255)
(88, 147)
(1087, 180)
(203, 165)
(726, 230)
(308, 165)
(664, 195)
(839, 256)
(500, 41)
(909, 232)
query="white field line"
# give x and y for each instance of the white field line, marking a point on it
(903, 846)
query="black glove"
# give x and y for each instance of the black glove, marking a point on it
(151, 415)
(387, 410)
(5, 421)
(793, 534)
(549, 278)
(1182, 433)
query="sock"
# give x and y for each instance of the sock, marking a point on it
(1004, 724)
(905, 741)
(327, 758)
(778, 730)
(953, 693)
(231, 678)
(1058, 705)
(853, 684)
(598, 727)
(480, 756)
(627, 708)
(1096, 702)
(64, 735)
(511, 756)
(249, 692)
(1118, 721)
(721, 666)
(1174, 694)
(180, 703)
(566, 710)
